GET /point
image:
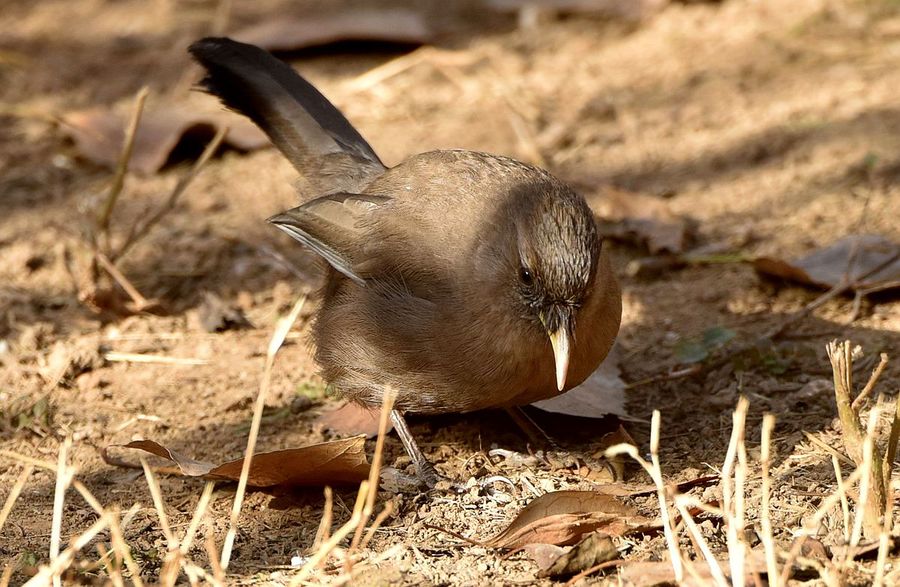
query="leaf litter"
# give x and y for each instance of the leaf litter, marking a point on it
(338, 462)
(99, 133)
(865, 262)
(287, 33)
(562, 518)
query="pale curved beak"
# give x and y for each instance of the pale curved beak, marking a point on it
(560, 342)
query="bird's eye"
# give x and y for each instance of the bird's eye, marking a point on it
(525, 276)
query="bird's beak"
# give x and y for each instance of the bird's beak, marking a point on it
(560, 342)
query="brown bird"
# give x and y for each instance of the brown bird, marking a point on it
(460, 279)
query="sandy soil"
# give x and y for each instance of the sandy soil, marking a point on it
(751, 118)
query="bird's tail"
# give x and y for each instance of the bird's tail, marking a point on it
(313, 134)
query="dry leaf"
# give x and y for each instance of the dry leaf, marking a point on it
(352, 418)
(594, 549)
(563, 517)
(391, 25)
(631, 490)
(601, 394)
(624, 9)
(100, 132)
(544, 555)
(640, 218)
(328, 463)
(649, 574)
(869, 262)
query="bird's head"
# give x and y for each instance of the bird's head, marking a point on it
(556, 253)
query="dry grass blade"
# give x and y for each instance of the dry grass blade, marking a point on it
(64, 560)
(122, 167)
(331, 543)
(212, 554)
(140, 231)
(324, 530)
(281, 330)
(29, 460)
(884, 539)
(387, 404)
(63, 478)
(732, 494)
(14, 493)
(379, 520)
(655, 472)
(682, 502)
(8, 569)
(199, 512)
(870, 385)
(842, 490)
(812, 527)
(121, 547)
(891, 452)
(118, 357)
(768, 539)
(156, 495)
(864, 511)
(139, 300)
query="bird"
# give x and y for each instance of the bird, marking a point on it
(460, 280)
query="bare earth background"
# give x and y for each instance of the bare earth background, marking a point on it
(776, 122)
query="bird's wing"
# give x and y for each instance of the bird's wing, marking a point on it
(332, 227)
(313, 134)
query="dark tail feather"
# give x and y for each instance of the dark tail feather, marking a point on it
(313, 134)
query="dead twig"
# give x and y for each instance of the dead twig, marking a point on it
(768, 539)
(115, 189)
(653, 469)
(281, 330)
(140, 230)
(870, 385)
(14, 493)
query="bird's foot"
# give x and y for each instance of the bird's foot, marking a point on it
(426, 479)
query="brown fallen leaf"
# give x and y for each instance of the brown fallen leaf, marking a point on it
(640, 218)
(602, 394)
(556, 561)
(652, 573)
(391, 25)
(633, 490)
(99, 133)
(868, 262)
(328, 463)
(561, 518)
(630, 10)
(352, 418)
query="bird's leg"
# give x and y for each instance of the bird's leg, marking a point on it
(424, 469)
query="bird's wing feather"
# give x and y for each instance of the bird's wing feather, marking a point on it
(330, 226)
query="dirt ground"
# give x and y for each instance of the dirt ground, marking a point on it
(770, 123)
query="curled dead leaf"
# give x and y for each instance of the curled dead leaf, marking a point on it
(327, 463)
(595, 548)
(866, 261)
(561, 518)
(99, 133)
(390, 25)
